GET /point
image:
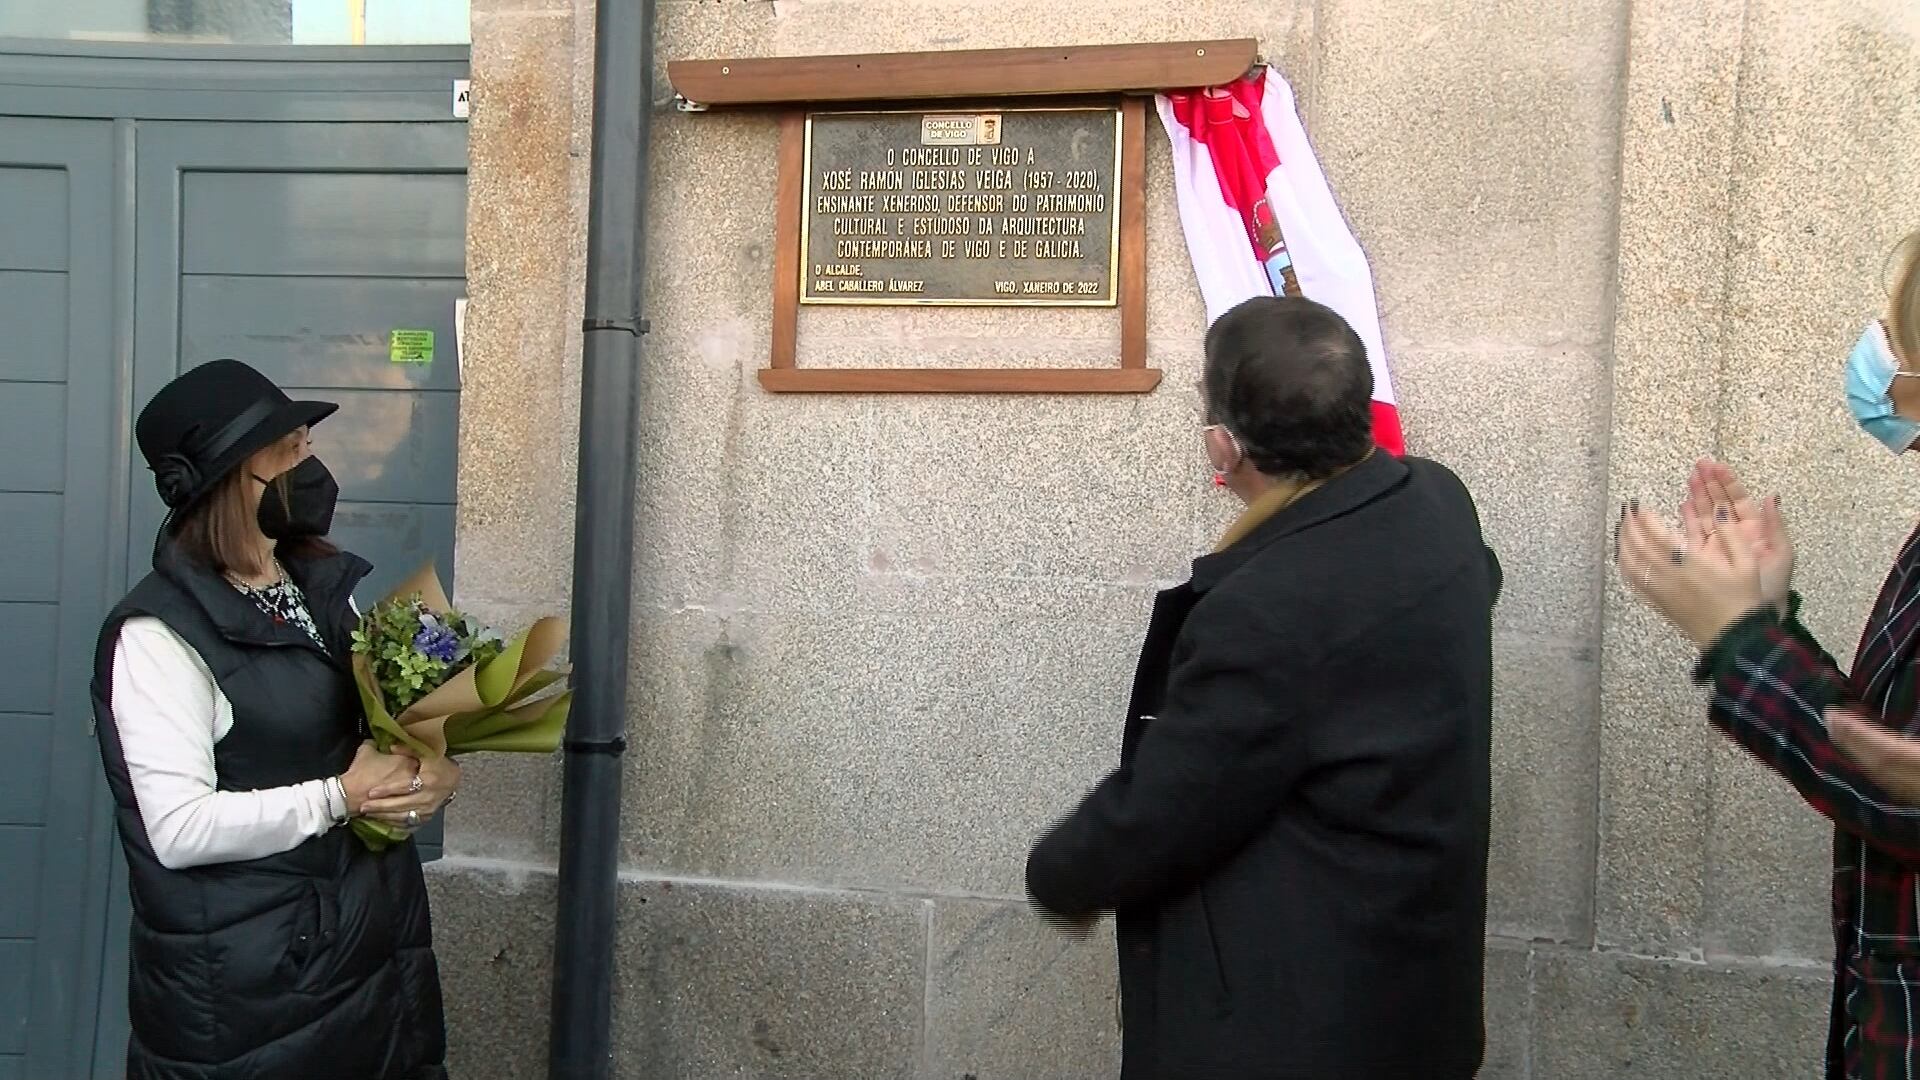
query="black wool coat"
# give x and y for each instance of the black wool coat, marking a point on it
(1295, 841)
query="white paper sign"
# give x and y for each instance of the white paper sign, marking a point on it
(460, 338)
(462, 89)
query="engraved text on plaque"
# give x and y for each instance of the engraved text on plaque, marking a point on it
(1016, 206)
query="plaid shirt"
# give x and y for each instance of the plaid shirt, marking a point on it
(1772, 683)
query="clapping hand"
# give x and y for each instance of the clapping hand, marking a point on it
(1717, 500)
(1701, 580)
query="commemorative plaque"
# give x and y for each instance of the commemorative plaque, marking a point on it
(1007, 207)
(969, 178)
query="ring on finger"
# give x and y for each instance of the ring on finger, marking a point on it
(413, 787)
(413, 819)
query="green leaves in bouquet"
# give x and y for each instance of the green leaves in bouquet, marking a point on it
(479, 643)
(414, 650)
(404, 672)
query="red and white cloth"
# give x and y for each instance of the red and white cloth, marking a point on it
(1260, 220)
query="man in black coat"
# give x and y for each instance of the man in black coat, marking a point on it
(1295, 842)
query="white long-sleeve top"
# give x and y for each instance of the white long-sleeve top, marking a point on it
(170, 713)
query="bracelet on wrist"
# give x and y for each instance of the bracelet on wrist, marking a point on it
(338, 787)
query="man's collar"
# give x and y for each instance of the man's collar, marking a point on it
(1277, 513)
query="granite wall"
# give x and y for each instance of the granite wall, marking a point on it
(879, 642)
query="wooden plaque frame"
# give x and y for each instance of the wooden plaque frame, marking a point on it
(784, 375)
(1086, 74)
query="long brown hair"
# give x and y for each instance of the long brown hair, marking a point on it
(217, 531)
(1903, 307)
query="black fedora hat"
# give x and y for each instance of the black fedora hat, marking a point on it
(202, 425)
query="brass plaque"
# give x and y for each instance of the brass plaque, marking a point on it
(1010, 207)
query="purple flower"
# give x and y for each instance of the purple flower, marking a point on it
(436, 642)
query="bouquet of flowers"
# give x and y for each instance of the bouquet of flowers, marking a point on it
(437, 682)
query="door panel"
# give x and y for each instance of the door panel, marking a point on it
(60, 460)
(23, 791)
(30, 535)
(32, 633)
(19, 908)
(16, 987)
(300, 249)
(33, 421)
(34, 347)
(313, 331)
(394, 446)
(39, 240)
(345, 224)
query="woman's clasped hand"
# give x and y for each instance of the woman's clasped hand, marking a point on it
(414, 798)
(398, 788)
(374, 774)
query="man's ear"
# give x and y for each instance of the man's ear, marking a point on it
(1221, 447)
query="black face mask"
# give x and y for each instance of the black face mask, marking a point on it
(307, 509)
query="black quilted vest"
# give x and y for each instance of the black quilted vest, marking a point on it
(317, 962)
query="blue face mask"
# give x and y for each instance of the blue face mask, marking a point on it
(1871, 369)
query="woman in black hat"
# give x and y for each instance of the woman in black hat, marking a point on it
(267, 941)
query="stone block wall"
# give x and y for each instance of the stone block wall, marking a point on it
(879, 643)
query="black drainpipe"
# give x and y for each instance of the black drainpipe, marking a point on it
(580, 1043)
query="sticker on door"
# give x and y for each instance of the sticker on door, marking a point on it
(411, 347)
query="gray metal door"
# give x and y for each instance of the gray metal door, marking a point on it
(62, 397)
(169, 219)
(308, 250)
